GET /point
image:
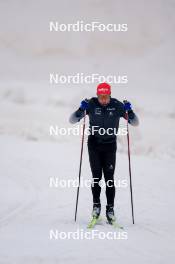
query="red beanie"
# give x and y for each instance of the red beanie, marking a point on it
(103, 88)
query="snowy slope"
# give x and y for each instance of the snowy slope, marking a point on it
(34, 208)
(145, 54)
(29, 208)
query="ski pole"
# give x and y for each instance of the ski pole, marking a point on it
(129, 160)
(81, 156)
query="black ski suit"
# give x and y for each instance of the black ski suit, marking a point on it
(102, 146)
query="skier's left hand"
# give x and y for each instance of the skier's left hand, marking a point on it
(127, 105)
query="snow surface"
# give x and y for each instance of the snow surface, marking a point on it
(29, 208)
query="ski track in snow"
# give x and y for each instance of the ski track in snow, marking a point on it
(39, 209)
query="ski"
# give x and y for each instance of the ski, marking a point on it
(96, 220)
(115, 224)
(93, 222)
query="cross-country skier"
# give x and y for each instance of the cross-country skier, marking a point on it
(104, 115)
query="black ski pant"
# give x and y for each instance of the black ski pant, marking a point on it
(102, 158)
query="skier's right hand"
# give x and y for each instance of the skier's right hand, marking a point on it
(84, 104)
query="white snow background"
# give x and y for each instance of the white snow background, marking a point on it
(29, 156)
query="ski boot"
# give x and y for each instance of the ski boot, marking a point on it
(96, 210)
(95, 215)
(110, 214)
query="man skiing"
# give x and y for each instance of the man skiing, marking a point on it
(104, 115)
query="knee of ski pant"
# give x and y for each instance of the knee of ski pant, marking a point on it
(97, 174)
(108, 173)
